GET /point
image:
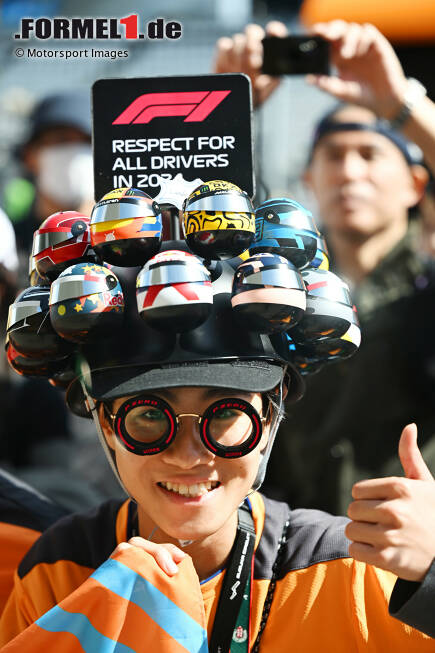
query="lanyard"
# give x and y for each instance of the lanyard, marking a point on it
(231, 626)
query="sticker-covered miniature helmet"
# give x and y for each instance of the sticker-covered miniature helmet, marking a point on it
(218, 220)
(329, 311)
(173, 291)
(86, 302)
(61, 240)
(29, 328)
(268, 294)
(285, 227)
(126, 227)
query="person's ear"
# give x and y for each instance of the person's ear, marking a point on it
(307, 178)
(106, 426)
(419, 177)
(30, 158)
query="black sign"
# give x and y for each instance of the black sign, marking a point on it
(198, 126)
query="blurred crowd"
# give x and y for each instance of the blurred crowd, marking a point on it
(38, 436)
(370, 168)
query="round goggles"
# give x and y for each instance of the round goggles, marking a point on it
(147, 425)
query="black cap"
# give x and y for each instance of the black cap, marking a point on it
(329, 123)
(69, 109)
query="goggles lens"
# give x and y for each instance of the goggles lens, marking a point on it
(147, 425)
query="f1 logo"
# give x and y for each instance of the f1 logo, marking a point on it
(195, 105)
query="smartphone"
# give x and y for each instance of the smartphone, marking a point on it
(295, 55)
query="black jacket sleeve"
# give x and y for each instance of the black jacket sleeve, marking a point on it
(414, 603)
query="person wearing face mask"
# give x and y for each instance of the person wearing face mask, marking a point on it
(57, 159)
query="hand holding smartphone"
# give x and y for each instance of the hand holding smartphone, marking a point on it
(295, 55)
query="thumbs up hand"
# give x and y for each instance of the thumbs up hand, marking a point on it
(393, 519)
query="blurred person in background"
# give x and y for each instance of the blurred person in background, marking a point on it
(56, 157)
(24, 512)
(363, 175)
(39, 452)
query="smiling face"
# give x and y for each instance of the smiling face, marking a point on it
(185, 490)
(360, 179)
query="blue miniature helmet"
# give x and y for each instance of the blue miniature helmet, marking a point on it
(285, 227)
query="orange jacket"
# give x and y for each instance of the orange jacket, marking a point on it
(323, 600)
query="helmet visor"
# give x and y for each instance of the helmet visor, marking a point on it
(230, 203)
(122, 211)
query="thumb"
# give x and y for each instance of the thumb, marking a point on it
(410, 456)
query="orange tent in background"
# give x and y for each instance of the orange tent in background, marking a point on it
(401, 21)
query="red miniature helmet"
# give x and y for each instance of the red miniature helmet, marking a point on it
(61, 240)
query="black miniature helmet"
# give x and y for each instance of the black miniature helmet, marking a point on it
(329, 311)
(29, 328)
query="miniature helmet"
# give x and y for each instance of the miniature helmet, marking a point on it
(218, 220)
(61, 240)
(173, 291)
(321, 257)
(285, 227)
(25, 366)
(333, 349)
(126, 227)
(29, 328)
(329, 311)
(268, 294)
(86, 302)
(303, 357)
